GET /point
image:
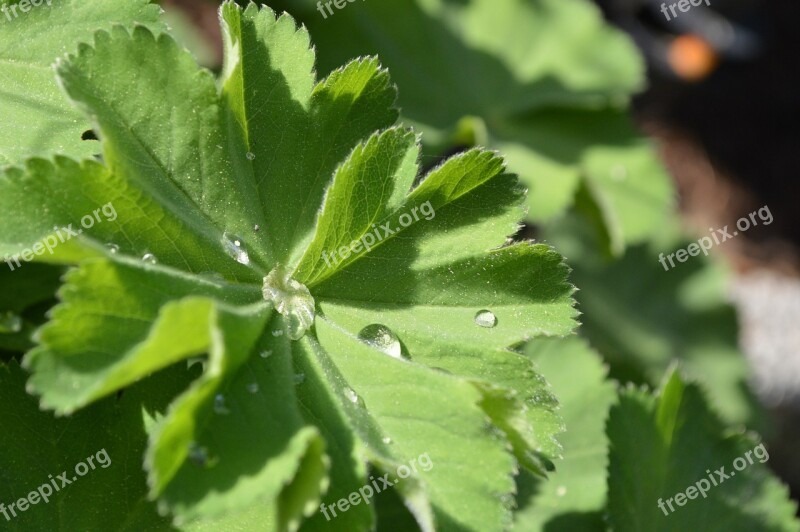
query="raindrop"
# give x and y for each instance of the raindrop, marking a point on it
(112, 248)
(219, 405)
(351, 395)
(277, 332)
(266, 353)
(250, 156)
(292, 299)
(383, 339)
(486, 318)
(299, 378)
(198, 455)
(252, 387)
(387, 440)
(256, 228)
(149, 258)
(235, 248)
(10, 323)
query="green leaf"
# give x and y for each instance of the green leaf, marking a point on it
(574, 496)
(545, 82)
(223, 195)
(44, 123)
(685, 316)
(37, 447)
(669, 443)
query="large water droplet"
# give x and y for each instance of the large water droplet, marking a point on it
(112, 248)
(250, 156)
(292, 299)
(149, 258)
(10, 323)
(219, 405)
(485, 318)
(381, 338)
(235, 248)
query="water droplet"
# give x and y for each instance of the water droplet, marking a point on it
(219, 405)
(266, 353)
(381, 338)
(252, 387)
(277, 332)
(10, 323)
(619, 173)
(292, 299)
(198, 455)
(351, 395)
(387, 440)
(112, 248)
(250, 156)
(235, 248)
(149, 258)
(561, 491)
(299, 378)
(256, 228)
(485, 318)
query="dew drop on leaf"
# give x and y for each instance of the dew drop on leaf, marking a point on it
(387, 440)
(299, 378)
(351, 395)
(199, 456)
(219, 405)
(112, 248)
(256, 228)
(235, 248)
(486, 318)
(381, 338)
(10, 323)
(250, 156)
(277, 332)
(252, 387)
(149, 258)
(266, 353)
(292, 299)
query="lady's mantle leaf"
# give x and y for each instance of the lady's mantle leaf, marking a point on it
(37, 119)
(219, 184)
(670, 443)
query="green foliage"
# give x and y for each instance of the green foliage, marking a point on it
(204, 182)
(666, 443)
(288, 304)
(552, 99)
(37, 119)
